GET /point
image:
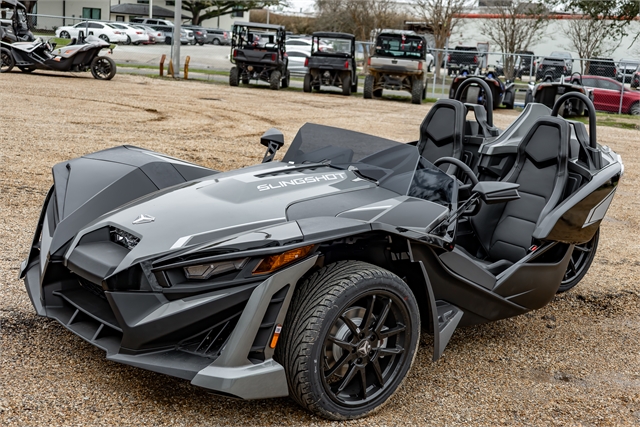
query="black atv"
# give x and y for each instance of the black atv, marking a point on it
(503, 93)
(547, 92)
(332, 62)
(17, 28)
(258, 52)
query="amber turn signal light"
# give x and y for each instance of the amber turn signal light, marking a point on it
(274, 262)
(276, 335)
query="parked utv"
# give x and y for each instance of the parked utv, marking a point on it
(332, 62)
(548, 92)
(259, 53)
(503, 93)
(15, 29)
(398, 63)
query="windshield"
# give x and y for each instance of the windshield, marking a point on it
(392, 165)
(331, 46)
(255, 39)
(561, 55)
(400, 45)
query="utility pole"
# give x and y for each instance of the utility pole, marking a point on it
(175, 52)
(150, 8)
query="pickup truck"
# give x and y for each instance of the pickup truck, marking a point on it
(463, 57)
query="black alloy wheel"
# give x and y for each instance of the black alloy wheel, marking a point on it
(349, 339)
(103, 68)
(579, 264)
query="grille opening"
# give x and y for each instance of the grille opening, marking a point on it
(257, 353)
(211, 342)
(123, 238)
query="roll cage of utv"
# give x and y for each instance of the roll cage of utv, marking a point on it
(18, 28)
(259, 53)
(333, 64)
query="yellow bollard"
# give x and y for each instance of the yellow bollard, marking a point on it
(186, 67)
(171, 68)
(162, 64)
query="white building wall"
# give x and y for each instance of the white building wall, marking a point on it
(469, 32)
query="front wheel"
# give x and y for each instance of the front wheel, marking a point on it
(286, 80)
(65, 35)
(416, 92)
(579, 264)
(6, 60)
(367, 92)
(306, 84)
(349, 339)
(274, 80)
(103, 68)
(346, 84)
(234, 77)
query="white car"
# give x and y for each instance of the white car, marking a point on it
(102, 30)
(134, 35)
(298, 62)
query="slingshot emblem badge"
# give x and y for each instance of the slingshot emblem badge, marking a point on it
(143, 219)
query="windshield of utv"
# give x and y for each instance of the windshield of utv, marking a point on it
(247, 38)
(329, 46)
(392, 165)
(400, 45)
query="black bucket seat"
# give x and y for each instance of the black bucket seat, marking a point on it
(504, 231)
(442, 133)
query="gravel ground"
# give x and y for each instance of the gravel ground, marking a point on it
(574, 362)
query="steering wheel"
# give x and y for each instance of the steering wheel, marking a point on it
(459, 163)
(474, 208)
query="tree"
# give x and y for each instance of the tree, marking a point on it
(590, 38)
(617, 14)
(202, 10)
(517, 25)
(360, 18)
(443, 17)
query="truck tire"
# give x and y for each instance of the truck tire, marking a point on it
(349, 324)
(346, 84)
(274, 80)
(416, 91)
(234, 78)
(367, 92)
(306, 84)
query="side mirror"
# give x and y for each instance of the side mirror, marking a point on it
(492, 192)
(273, 139)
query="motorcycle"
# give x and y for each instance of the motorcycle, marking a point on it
(42, 55)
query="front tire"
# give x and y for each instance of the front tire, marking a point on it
(234, 77)
(306, 84)
(286, 80)
(346, 84)
(274, 80)
(579, 264)
(367, 92)
(65, 35)
(416, 92)
(349, 339)
(103, 68)
(6, 60)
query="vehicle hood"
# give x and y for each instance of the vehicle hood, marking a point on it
(223, 205)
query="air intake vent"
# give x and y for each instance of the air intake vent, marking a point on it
(123, 238)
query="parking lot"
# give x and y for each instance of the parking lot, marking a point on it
(574, 362)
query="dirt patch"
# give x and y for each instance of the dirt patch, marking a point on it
(576, 361)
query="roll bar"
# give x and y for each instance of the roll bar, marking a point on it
(488, 95)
